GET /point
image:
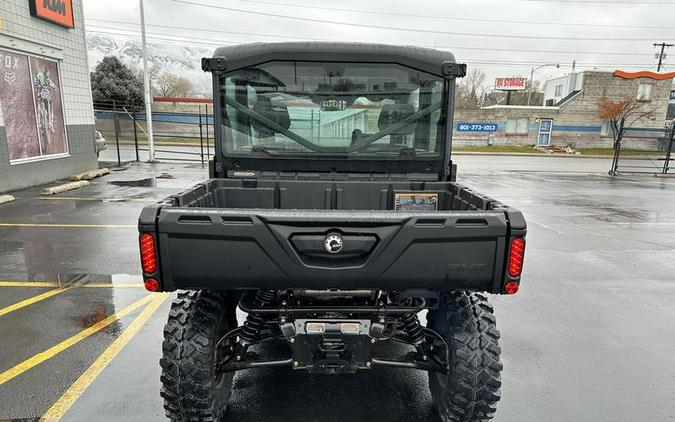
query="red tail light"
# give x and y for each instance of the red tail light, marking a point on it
(516, 254)
(511, 288)
(151, 285)
(148, 255)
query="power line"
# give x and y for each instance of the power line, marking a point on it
(613, 53)
(391, 28)
(629, 3)
(189, 40)
(413, 15)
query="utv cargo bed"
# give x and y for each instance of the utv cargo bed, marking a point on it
(394, 234)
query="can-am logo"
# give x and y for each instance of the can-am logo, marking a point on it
(466, 267)
(59, 12)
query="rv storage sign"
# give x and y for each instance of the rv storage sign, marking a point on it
(510, 84)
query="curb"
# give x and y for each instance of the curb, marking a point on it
(6, 198)
(531, 154)
(65, 187)
(91, 174)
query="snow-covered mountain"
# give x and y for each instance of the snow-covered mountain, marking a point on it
(182, 60)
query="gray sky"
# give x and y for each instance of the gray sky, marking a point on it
(600, 34)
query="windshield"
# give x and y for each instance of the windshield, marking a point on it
(332, 109)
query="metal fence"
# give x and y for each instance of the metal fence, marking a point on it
(177, 136)
(641, 150)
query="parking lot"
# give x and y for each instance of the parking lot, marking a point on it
(588, 337)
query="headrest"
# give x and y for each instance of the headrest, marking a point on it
(276, 113)
(394, 113)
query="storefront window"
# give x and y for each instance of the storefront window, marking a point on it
(31, 106)
(516, 126)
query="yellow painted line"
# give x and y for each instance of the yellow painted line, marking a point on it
(60, 347)
(27, 284)
(32, 300)
(79, 226)
(105, 199)
(90, 285)
(66, 401)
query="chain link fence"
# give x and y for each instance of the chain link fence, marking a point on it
(642, 150)
(177, 136)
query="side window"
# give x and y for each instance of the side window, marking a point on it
(516, 126)
(558, 90)
(644, 92)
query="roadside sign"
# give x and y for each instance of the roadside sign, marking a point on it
(510, 84)
(476, 127)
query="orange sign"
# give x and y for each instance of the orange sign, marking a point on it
(644, 74)
(59, 12)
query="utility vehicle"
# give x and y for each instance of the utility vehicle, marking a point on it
(332, 219)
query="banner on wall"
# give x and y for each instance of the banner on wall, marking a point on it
(32, 110)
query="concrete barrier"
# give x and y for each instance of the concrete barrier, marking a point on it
(64, 187)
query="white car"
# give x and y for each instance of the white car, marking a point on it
(100, 143)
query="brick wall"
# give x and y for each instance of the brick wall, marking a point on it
(23, 33)
(575, 122)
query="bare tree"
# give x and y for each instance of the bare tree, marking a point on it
(169, 85)
(626, 110)
(470, 90)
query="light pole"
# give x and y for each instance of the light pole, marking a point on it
(148, 97)
(534, 69)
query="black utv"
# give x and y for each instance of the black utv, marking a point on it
(332, 219)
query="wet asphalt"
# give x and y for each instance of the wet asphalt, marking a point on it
(588, 337)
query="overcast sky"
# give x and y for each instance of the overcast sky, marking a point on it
(598, 34)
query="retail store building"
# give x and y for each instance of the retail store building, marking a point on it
(46, 113)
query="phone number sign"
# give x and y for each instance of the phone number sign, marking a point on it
(476, 127)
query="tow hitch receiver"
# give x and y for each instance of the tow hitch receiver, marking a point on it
(331, 346)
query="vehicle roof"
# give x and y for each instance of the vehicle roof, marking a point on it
(244, 55)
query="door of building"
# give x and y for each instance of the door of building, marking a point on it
(545, 130)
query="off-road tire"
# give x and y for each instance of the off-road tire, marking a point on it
(471, 390)
(191, 389)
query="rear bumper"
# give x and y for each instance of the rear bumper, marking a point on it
(249, 249)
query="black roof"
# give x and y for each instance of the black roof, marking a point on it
(441, 63)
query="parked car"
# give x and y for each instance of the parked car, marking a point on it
(332, 235)
(100, 142)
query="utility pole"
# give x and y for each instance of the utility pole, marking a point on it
(662, 55)
(146, 83)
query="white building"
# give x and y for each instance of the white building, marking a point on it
(562, 88)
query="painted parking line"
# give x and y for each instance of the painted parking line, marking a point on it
(89, 285)
(34, 299)
(66, 401)
(79, 226)
(103, 199)
(60, 347)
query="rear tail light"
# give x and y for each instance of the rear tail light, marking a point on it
(151, 285)
(511, 288)
(148, 254)
(516, 254)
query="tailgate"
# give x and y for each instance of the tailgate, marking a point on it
(279, 249)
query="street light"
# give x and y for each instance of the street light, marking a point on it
(146, 88)
(534, 69)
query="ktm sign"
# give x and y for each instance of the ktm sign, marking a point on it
(59, 12)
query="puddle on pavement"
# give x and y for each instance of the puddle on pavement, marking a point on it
(62, 279)
(605, 212)
(150, 182)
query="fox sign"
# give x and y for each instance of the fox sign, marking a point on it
(510, 84)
